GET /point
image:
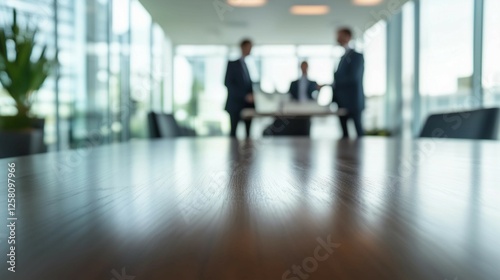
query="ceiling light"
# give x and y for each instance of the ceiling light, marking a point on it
(247, 3)
(367, 2)
(309, 10)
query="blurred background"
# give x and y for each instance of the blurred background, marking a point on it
(120, 59)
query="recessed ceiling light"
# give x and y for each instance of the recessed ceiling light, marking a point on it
(367, 2)
(247, 3)
(309, 10)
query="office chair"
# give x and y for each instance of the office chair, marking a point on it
(479, 124)
(164, 126)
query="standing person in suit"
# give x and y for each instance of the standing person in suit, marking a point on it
(239, 89)
(347, 87)
(302, 89)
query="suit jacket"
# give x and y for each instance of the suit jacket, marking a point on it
(312, 86)
(348, 90)
(238, 86)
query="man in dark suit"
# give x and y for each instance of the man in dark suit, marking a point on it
(348, 90)
(302, 89)
(239, 89)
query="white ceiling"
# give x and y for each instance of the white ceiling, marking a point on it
(199, 22)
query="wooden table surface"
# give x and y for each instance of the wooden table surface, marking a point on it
(282, 208)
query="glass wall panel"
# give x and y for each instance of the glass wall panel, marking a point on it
(200, 94)
(119, 70)
(168, 81)
(277, 67)
(408, 65)
(97, 93)
(140, 67)
(72, 58)
(91, 116)
(375, 78)
(446, 55)
(491, 54)
(157, 68)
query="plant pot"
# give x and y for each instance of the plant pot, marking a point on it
(21, 143)
(14, 143)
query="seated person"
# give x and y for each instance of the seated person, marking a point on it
(301, 90)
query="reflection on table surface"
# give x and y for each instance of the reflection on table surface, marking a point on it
(228, 209)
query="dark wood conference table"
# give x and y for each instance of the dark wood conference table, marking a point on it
(250, 113)
(277, 208)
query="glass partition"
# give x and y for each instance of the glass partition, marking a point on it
(95, 91)
(446, 52)
(491, 54)
(408, 68)
(375, 76)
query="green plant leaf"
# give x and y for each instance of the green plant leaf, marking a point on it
(24, 74)
(40, 71)
(3, 45)
(15, 26)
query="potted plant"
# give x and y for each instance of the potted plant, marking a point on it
(24, 66)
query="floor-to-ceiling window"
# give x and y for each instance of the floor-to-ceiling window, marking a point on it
(408, 67)
(375, 77)
(140, 67)
(71, 70)
(119, 70)
(91, 116)
(157, 68)
(199, 88)
(491, 54)
(446, 53)
(277, 67)
(109, 75)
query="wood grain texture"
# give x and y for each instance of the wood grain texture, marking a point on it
(227, 209)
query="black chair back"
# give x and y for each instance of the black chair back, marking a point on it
(162, 125)
(479, 124)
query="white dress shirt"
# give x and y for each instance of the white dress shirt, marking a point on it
(246, 75)
(303, 83)
(347, 50)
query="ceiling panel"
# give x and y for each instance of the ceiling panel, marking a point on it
(215, 22)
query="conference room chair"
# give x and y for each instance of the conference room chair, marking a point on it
(479, 124)
(163, 125)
